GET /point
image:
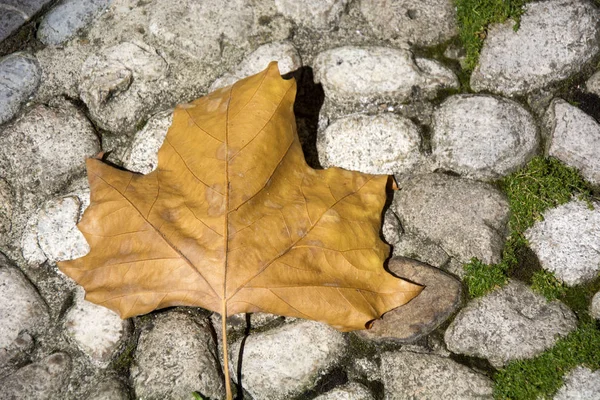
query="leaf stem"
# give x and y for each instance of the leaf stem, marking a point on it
(225, 352)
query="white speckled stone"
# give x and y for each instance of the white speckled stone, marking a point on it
(393, 73)
(567, 241)
(574, 139)
(482, 137)
(316, 14)
(408, 376)
(374, 144)
(44, 379)
(554, 39)
(286, 55)
(95, 329)
(511, 323)
(595, 306)
(592, 85)
(284, 362)
(21, 307)
(349, 391)
(580, 384)
(142, 156)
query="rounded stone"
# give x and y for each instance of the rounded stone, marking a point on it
(316, 14)
(440, 298)
(482, 137)
(20, 76)
(555, 38)
(574, 138)
(67, 18)
(408, 376)
(286, 361)
(374, 144)
(511, 323)
(595, 306)
(393, 74)
(567, 241)
(420, 22)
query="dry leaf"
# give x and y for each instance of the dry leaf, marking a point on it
(233, 220)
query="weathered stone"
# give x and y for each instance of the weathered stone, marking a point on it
(6, 206)
(580, 384)
(567, 241)
(95, 329)
(44, 379)
(440, 298)
(466, 218)
(16, 354)
(391, 228)
(595, 306)
(421, 249)
(175, 357)
(142, 156)
(374, 144)
(393, 73)
(482, 137)
(424, 23)
(555, 38)
(511, 323)
(121, 85)
(316, 14)
(57, 232)
(67, 18)
(286, 361)
(592, 85)
(15, 13)
(45, 148)
(21, 308)
(19, 78)
(349, 391)
(409, 375)
(574, 139)
(284, 53)
(108, 389)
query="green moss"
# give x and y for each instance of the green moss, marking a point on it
(474, 16)
(544, 183)
(545, 283)
(482, 278)
(540, 377)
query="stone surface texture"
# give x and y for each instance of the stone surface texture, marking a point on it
(482, 137)
(374, 144)
(555, 38)
(316, 14)
(284, 53)
(118, 85)
(421, 249)
(142, 155)
(15, 13)
(574, 139)
(424, 23)
(595, 306)
(394, 73)
(44, 148)
(440, 298)
(409, 375)
(68, 17)
(580, 384)
(44, 379)
(440, 207)
(592, 85)
(109, 389)
(175, 357)
(349, 391)
(567, 241)
(287, 361)
(511, 323)
(19, 78)
(96, 330)
(21, 307)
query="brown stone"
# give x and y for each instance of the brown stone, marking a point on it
(441, 297)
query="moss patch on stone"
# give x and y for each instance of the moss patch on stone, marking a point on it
(474, 16)
(542, 184)
(542, 376)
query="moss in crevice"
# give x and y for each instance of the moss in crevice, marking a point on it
(474, 17)
(543, 184)
(542, 376)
